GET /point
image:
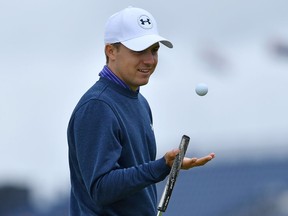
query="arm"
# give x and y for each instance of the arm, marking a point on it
(97, 134)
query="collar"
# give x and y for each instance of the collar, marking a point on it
(108, 74)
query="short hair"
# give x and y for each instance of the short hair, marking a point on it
(117, 46)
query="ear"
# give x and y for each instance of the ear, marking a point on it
(110, 51)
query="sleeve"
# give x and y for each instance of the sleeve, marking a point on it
(97, 138)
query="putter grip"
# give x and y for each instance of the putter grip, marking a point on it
(173, 174)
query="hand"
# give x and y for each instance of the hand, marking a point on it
(188, 163)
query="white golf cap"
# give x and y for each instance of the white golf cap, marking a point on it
(135, 28)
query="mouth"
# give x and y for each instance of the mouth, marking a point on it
(144, 70)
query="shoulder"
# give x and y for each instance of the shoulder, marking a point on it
(144, 101)
(92, 95)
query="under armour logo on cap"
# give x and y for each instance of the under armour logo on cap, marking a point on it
(145, 22)
(135, 28)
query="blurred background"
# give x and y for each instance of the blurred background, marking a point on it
(52, 51)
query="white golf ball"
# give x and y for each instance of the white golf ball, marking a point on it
(201, 89)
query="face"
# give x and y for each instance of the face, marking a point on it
(134, 68)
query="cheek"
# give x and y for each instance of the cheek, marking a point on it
(156, 60)
(155, 63)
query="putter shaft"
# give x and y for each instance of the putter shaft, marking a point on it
(159, 213)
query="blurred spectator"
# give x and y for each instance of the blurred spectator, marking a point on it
(279, 47)
(14, 199)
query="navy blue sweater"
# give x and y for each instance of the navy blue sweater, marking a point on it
(112, 153)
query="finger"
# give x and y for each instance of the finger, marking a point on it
(188, 163)
(202, 161)
(170, 156)
(212, 155)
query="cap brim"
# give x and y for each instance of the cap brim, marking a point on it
(143, 42)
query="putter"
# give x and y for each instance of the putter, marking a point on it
(164, 201)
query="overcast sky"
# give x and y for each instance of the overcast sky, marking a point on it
(52, 51)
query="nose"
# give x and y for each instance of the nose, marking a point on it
(149, 58)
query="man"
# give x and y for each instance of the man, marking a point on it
(112, 147)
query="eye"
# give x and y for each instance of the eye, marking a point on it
(155, 50)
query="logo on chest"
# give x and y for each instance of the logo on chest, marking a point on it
(151, 125)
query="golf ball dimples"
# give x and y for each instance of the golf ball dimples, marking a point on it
(201, 89)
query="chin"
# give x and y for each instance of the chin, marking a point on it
(143, 83)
